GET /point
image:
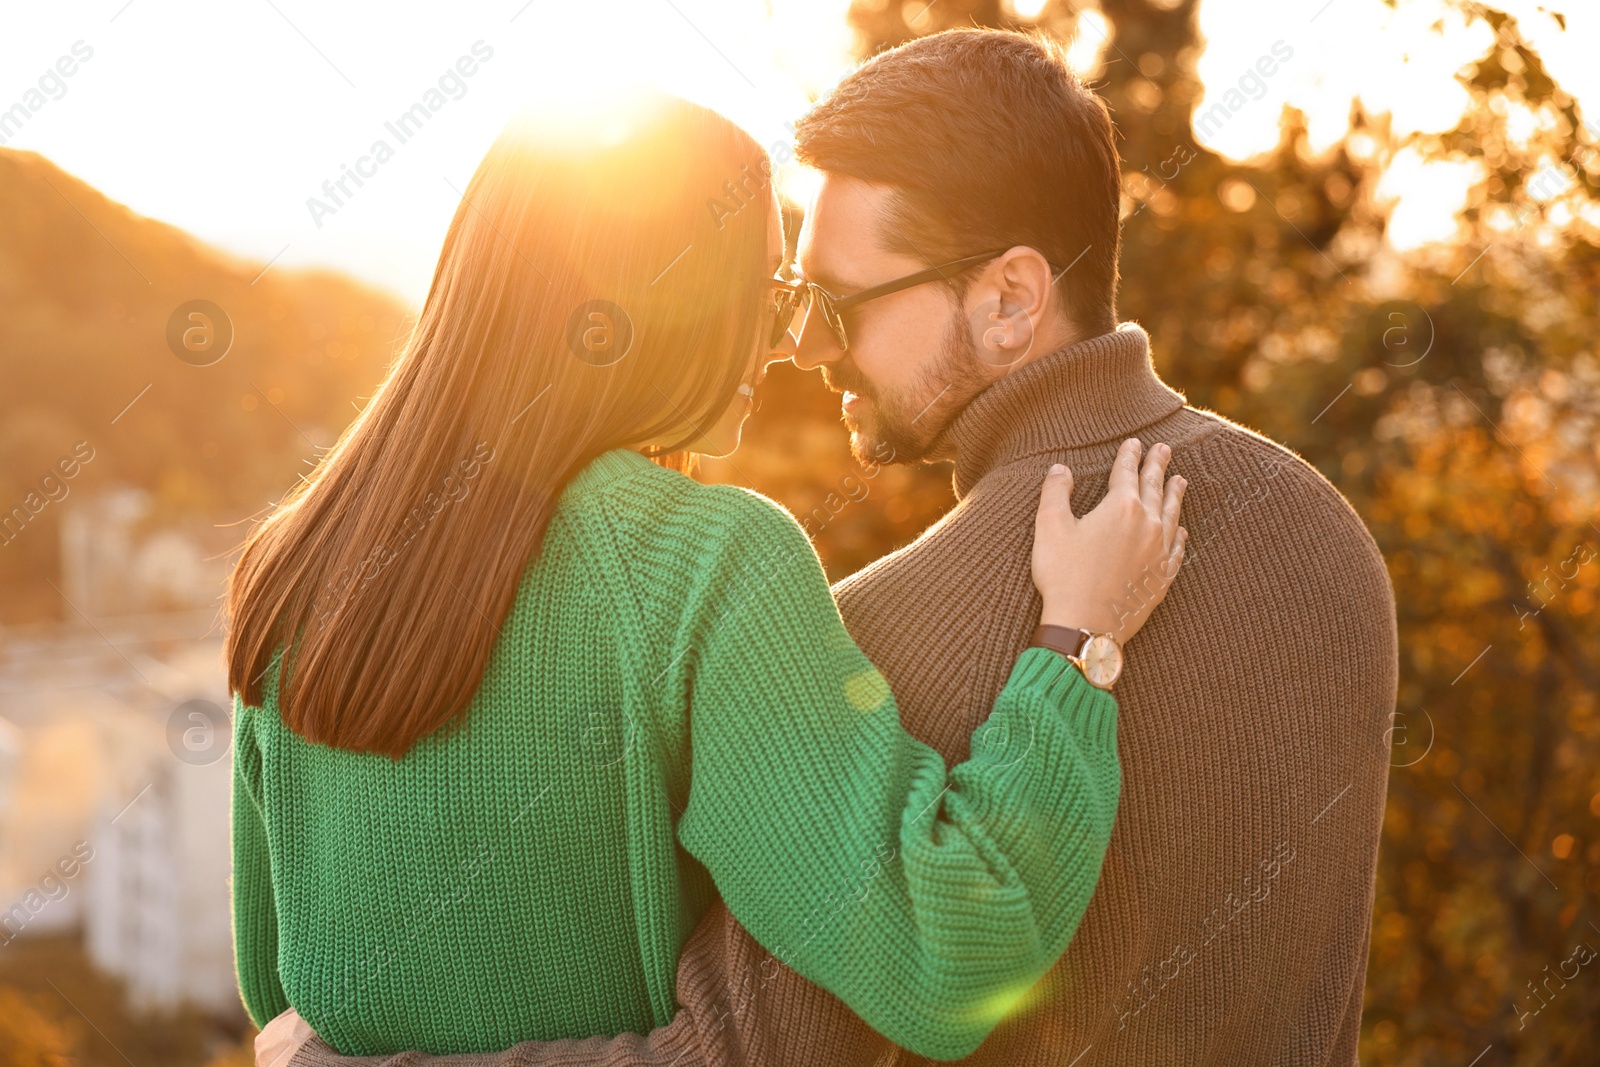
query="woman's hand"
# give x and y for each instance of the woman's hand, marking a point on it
(283, 1037)
(1107, 571)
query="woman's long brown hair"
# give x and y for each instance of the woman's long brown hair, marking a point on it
(592, 293)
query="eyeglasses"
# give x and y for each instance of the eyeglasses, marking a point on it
(790, 294)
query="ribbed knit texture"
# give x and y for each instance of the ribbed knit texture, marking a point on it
(673, 700)
(1231, 922)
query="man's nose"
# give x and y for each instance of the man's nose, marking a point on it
(814, 343)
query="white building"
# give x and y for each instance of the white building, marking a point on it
(94, 777)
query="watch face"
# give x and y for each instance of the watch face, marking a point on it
(1102, 661)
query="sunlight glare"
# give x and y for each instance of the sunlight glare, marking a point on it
(1427, 195)
(1086, 52)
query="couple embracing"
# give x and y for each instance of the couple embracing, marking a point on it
(598, 770)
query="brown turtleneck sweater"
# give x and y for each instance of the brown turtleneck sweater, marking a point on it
(1230, 925)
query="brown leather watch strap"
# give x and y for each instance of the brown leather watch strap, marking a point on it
(1063, 639)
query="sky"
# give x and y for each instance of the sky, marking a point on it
(227, 119)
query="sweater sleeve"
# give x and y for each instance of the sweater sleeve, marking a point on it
(255, 916)
(927, 898)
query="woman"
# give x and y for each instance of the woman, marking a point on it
(543, 696)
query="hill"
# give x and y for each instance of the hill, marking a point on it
(92, 386)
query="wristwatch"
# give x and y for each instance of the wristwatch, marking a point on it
(1098, 656)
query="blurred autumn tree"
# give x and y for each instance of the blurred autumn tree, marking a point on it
(1452, 395)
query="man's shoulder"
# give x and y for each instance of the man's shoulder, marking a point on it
(1268, 526)
(1231, 459)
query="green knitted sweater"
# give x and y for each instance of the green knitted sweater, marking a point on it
(673, 702)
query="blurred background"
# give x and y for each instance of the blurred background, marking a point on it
(1366, 229)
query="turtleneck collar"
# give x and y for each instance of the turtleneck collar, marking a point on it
(1092, 391)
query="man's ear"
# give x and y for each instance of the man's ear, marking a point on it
(1009, 303)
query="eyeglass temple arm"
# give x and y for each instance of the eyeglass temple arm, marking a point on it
(943, 271)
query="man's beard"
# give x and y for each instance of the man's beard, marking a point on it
(904, 425)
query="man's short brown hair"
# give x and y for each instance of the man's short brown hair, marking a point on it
(991, 141)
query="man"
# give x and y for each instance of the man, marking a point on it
(1230, 924)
